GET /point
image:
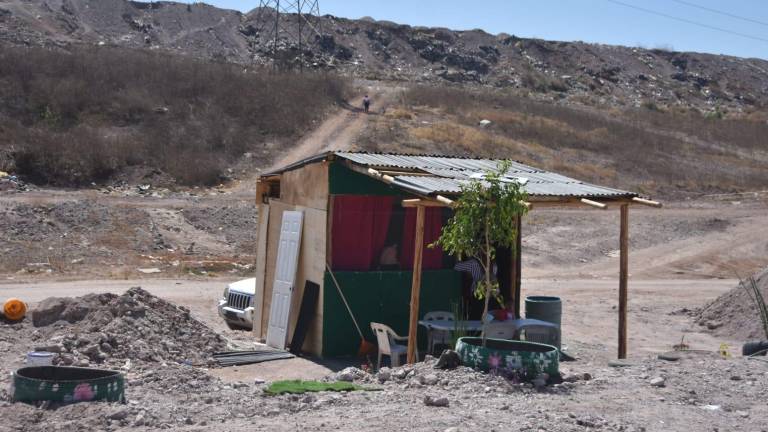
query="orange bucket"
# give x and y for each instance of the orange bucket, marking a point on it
(14, 309)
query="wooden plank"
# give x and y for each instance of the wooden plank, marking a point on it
(647, 202)
(623, 279)
(416, 285)
(262, 239)
(306, 315)
(418, 202)
(595, 204)
(306, 186)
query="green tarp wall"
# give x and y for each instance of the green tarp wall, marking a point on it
(344, 181)
(384, 297)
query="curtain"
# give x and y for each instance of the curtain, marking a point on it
(433, 224)
(359, 230)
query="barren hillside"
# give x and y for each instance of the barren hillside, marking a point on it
(585, 73)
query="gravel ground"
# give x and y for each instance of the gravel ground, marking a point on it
(151, 338)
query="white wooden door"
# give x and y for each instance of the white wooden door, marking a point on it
(285, 278)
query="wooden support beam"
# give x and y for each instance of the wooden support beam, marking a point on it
(413, 323)
(418, 202)
(446, 201)
(623, 277)
(517, 268)
(386, 178)
(596, 204)
(647, 202)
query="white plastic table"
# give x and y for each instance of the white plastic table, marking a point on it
(477, 325)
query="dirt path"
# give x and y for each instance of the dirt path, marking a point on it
(340, 130)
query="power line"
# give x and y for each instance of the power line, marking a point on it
(728, 14)
(687, 21)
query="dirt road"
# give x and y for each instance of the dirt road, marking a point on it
(589, 308)
(339, 131)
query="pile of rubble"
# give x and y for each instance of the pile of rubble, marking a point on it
(135, 326)
(734, 314)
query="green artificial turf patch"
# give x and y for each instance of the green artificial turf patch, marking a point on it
(299, 387)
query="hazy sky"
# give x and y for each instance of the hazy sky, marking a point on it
(601, 21)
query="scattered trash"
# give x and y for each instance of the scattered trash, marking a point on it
(39, 358)
(485, 122)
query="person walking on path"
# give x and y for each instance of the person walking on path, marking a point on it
(366, 103)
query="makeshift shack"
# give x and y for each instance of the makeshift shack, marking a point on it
(368, 218)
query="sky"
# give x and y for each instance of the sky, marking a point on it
(616, 22)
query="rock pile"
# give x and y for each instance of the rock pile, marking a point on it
(138, 326)
(734, 314)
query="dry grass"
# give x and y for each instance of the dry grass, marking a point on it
(70, 118)
(400, 114)
(657, 151)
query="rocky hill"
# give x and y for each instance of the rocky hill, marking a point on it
(588, 73)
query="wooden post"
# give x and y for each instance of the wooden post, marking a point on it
(623, 276)
(413, 324)
(518, 264)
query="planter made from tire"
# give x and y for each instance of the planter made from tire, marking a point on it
(67, 384)
(500, 354)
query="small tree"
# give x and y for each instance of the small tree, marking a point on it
(484, 218)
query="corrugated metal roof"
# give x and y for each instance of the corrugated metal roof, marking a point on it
(448, 174)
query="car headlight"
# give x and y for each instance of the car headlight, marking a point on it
(226, 293)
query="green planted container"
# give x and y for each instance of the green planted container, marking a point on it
(508, 355)
(67, 384)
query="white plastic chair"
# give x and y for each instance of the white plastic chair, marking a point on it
(435, 337)
(386, 338)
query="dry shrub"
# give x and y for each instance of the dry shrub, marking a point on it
(75, 117)
(400, 114)
(671, 150)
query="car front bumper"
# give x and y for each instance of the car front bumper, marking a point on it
(238, 317)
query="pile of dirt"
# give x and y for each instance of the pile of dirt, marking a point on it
(137, 326)
(734, 314)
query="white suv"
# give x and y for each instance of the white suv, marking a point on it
(236, 307)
